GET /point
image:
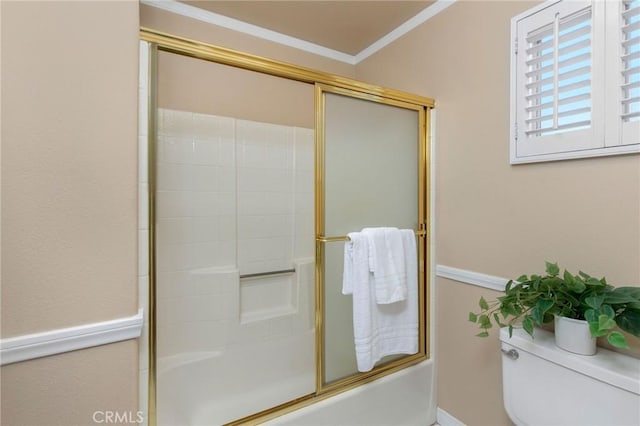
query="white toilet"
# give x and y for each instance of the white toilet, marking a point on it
(544, 385)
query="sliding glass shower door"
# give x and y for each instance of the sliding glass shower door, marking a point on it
(247, 319)
(234, 242)
(370, 163)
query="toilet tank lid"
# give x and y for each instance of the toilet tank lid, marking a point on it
(617, 369)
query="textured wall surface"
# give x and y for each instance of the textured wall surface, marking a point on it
(69, 211)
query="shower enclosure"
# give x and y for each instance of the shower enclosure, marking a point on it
(258, 170)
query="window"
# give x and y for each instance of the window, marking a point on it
(575, 80)
(626, 52)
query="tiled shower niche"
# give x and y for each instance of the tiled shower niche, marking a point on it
(234, 197)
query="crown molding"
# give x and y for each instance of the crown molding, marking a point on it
(404, 28)
(193, 12)
(243, 27)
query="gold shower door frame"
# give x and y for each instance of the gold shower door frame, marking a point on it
(324, 83)
(322, 239)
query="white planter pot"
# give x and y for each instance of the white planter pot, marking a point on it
(573, 335)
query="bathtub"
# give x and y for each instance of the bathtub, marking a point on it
(192, 391)
(405, 398)
(213, 388)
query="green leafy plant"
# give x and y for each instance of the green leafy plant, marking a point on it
(534, 300)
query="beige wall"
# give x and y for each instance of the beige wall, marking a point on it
(67, 389)
(194, 85)
(69, 164)
(69, 210)
(492, 217)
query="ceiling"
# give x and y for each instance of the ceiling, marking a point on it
(346, 26)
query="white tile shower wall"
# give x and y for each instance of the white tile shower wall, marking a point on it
(196, 191)
(265, 196)
(304, 242)
(143, 229)
(199, 312)
(268, 297)
(212, 170)
(299, 321)
(202, 314)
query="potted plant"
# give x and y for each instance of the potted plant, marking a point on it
(539, 299)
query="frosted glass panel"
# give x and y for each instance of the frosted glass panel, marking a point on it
(371, 180)
(371, 170)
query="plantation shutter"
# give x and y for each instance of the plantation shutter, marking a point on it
(554, 80)
(630, 70)
(575, 80)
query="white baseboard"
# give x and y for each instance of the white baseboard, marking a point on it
(30, 346)
(471, 277)
(445, 419)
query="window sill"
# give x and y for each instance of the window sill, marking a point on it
(588, 153)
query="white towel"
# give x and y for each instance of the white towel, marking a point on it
(356, 260)
(379, 330)
(387, 261)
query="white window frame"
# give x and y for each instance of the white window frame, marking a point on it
(622, 134)
(607, 135)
